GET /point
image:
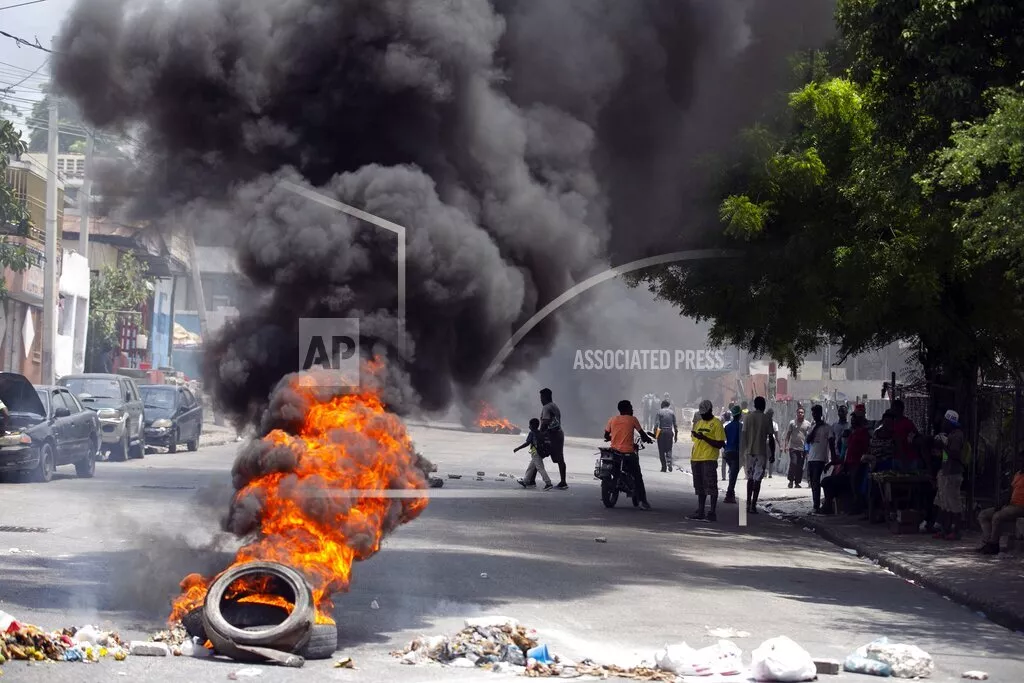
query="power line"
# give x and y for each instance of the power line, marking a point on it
(38, 69)
(23, 4)
(26, 43)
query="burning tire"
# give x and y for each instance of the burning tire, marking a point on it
(323, 639)
(229, 624)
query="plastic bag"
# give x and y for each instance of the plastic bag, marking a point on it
(724, 658)
(781, 659)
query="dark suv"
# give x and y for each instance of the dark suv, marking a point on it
(117, 403)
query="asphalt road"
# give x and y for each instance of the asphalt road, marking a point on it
(110, 551)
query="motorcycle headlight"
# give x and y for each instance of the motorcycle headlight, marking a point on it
(109, 414)
(161, 424)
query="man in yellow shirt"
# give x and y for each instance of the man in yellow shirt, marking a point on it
(708, 439)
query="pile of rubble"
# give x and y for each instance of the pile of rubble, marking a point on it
(501, 644)
(26, 642)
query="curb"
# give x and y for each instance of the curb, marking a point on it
(994, 612)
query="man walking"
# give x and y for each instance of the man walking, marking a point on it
(667, 432)
(732, 452)
(756, 440)
(796, 444)
(552, 435)
(708, 439)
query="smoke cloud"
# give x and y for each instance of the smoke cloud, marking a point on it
(522, 144)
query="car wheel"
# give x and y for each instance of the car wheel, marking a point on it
(193, 445)
(87, 468)
(138, 451)
(172, 441)
(44, 472)
(119, 453)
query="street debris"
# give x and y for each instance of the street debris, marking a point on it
(436, 482)
(850, 551)
(726, 632)
(481, 474)
(479, 478)
(174, 636)
(483, 575)
(455, 476)
(781, 659)
(504, 475)
(146, 648)
(601, 539)
(975, 675)
(247, 672)
(722, 659)
(26, 642)
(828, 667)
(374, 605)
(502, 645)
(882, 658)
(345, 663)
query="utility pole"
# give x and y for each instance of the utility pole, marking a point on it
(50, 266)
(85, 203)
(197, 286)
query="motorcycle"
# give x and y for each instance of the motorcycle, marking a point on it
(614, 480)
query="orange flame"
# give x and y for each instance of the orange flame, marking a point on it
(347, 450)
(488, 419)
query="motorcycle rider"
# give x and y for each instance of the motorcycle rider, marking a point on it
(619, 431)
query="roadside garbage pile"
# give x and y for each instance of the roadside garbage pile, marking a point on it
(26, 642)
(501, 644)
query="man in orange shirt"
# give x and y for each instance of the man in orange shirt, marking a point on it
(992, 519)
(619, 431)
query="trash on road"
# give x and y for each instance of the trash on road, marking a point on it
(857, 664)
(975, 675)
(601, 539)
(722, 659)
(500, 644)
(147, 648)
(345, 663)
(907, 661)
(436, 482)
(850, 551)
(455, 476)
(483, 575)
(828, 667)
(481, 474)
(19, 641)
(374, 605)
(781, 659)
(726, 632)
(247, 672)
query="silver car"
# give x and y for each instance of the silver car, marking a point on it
(117, 403)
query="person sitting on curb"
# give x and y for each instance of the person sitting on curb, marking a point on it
(992, 519)
(536, 460)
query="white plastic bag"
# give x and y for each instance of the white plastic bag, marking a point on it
(780, 659)
(724, 659)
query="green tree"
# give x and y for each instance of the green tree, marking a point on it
(117, 290)
(872, 210)
(71, 139)
(13, 215)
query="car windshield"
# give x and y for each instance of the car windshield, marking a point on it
(87, 389)
(157, 398)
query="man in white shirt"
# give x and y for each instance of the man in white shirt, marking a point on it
(796, 443)
(819, 439)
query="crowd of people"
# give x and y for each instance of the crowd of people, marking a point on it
(837, 459)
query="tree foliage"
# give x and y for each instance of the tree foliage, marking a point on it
(117, 289)
(71, 138)
(885, 203)
(13, 215)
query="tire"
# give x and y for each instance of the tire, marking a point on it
(44, 472)
(323, 639)
(323, 642)
(86, 469)
(119, 453)
(172, 443)
(193, 446)
(609, 493)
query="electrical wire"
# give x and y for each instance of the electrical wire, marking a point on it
(19, 83)
(23, 4)
(26, 43)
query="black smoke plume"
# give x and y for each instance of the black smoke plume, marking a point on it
(520, 143)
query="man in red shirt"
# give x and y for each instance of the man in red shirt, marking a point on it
(619, 431)
(904, 434)
(848, 474)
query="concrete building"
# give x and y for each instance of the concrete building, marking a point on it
(21, 315)
(73, 316)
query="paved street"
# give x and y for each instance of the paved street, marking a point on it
(113, 548)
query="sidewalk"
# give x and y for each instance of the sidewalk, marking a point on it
(214, 435)
(992, 585)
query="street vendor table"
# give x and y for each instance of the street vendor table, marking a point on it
(898, 491)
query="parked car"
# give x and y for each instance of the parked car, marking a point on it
(48, 428)
(117, 403)
(173, 416)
